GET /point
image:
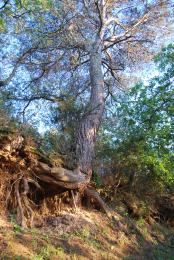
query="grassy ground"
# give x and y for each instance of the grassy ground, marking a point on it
(86, 235)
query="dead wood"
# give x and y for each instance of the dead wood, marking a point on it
(32, 181)
(20, 211)
(61, 177)
(96, 199)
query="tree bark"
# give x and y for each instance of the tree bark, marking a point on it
(57, 177)
(31, 181)
(87, 130)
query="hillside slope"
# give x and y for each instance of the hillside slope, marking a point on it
(86, 235)
(59, 229)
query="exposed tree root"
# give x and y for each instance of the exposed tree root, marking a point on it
(93, 195)
(27, 184)
(20, 211)
(32, 181)
(61, 177)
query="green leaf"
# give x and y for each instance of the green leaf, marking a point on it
(2, 25)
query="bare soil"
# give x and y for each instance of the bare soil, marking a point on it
(86, 235)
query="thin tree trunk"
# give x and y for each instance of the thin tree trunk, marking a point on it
(87, 130)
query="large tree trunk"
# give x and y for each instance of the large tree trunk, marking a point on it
(40, 180)
(86, 132)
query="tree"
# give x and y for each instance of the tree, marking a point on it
(141, 145)
(79, 48)
(94, 38)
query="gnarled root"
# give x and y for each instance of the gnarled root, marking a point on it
(18, 201)
(94, 196)
(48, 186)
(20, 211)
(38, 181)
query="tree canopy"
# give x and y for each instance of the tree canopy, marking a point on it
(70, 65)
(140, 141)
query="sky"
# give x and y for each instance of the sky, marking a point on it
(141, 71)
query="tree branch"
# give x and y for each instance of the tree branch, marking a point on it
(18, 62)
(4, 5)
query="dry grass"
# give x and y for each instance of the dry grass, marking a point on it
(85, 235)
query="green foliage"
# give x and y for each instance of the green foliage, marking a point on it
(66, 117)
(84, 234)
(8, 124)
(34, 5)
(49, 251)
(162, 252)
(16, 228)
(141, 144)
(2, 25)
(96, 179)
